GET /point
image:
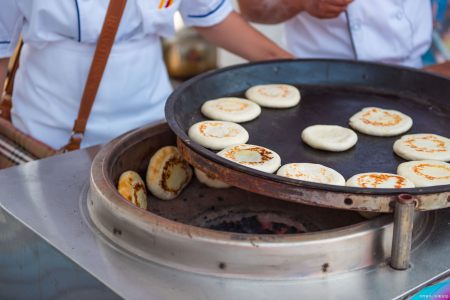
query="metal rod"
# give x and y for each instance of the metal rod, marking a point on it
(402, 238)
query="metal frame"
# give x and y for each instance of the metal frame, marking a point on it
(52, 194)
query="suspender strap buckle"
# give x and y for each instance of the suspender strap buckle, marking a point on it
(74, 141)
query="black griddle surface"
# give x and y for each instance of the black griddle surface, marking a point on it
(332, 91)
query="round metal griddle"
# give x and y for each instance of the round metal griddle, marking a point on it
(176, 233)
(332, 91)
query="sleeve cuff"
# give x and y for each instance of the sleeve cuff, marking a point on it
(209, 16)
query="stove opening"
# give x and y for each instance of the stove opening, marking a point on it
(254, 223)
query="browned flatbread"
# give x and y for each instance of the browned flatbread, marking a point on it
(168, 173)
(132, 187)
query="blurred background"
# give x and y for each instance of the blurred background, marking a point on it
(440, 48)
(439, 51)
(187, 54)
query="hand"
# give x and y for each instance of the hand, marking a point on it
(325, 9)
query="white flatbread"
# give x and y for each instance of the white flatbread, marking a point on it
(426, 172)
(311, 172)
(231, 109)
(329, 137)
(274, 95)
(252, 156)
(217, 135)
(167, 173)
(210, 181)
(380, 122)
(423, 146)
(379, 180)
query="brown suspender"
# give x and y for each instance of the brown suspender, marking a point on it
(6, 104)
(102, 51)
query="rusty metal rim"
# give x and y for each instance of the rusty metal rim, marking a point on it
(311, 185)
(104, 160)
(152, 238)
(386, 195)
(344, 199)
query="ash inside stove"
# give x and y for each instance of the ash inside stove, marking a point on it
(238, 211)
(255, 223)
(254, 226)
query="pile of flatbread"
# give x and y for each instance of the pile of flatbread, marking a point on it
(222, 133)
(168, 174)
(428, 152)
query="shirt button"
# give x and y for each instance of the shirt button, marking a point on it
(399, 15)
(355, 26)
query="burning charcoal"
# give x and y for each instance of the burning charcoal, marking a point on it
(292, 229)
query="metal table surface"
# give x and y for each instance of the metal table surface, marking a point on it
(48, 198)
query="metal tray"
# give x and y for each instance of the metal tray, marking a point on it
(332, 91)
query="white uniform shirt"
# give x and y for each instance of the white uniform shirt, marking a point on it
(389, 31)
(60, 37)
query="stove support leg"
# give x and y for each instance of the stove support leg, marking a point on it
(402, 238)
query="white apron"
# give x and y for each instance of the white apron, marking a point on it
(132, 93)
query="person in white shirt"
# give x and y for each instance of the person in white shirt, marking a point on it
(59, 41)
(386, 31)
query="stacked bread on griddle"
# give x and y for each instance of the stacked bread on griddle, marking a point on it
(168, 174)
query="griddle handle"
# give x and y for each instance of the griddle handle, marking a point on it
(402, 237)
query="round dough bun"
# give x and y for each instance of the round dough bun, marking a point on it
(425, 172)
(167, 173)
(231, 109)
(274, 95)
(423, 147)
(210, 181)
(255, 157)
(380, 122)
(132, 187)
(311, 172)
(379, 180)
(217, 135)
(329, 137)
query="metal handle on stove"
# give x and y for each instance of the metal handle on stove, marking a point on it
(402, 237)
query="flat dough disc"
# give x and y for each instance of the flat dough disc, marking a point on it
(379, 180)
(329, 137)
(231, 109)
(425, 172)
(217, 135)
(255, 157)
(167, 173)
(311, 172)
(380, 122)
(209, 181)
(423, 147)
(274, 95)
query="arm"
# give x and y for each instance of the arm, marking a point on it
(237, 36)
(3, 71)
(277, 11)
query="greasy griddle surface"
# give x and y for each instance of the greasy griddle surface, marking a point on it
(331, 93)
